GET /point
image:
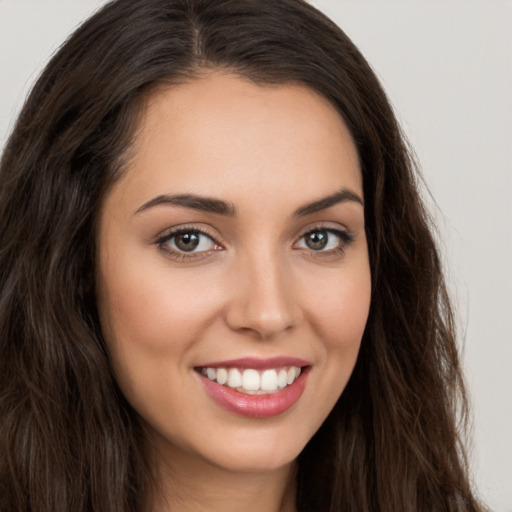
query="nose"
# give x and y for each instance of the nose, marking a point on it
(263, 302)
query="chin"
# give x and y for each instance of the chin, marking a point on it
(263, 450)
(253, 460)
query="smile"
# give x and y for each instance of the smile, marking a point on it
(251, 380)
(255, 388)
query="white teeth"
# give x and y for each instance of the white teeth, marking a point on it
(269, 380)
(282, 378)
(251, 381)
(222, 376)
(234, 378)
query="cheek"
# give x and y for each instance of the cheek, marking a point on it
(338, 314)
(340, 308)
(149, 323)
(144, 303)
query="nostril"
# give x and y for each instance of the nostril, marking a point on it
(252, 320)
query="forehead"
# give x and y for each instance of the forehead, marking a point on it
(221, 133)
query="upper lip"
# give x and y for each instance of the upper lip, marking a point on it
(257, 363)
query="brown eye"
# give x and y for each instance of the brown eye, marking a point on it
(187, 241)
(325, 240)
(317, 240)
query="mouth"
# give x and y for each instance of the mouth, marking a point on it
(255, 388)
(251, 380)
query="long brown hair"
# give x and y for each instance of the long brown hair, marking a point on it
(69, 441)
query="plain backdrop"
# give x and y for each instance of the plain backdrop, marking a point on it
(447, 67)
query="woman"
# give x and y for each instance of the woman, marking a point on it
(219, 285)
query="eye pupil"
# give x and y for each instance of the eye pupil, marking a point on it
(317, 240)
(187, 241)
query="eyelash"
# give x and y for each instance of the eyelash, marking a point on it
(345, 236)
(162, 242)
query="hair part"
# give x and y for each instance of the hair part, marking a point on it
(70, 440)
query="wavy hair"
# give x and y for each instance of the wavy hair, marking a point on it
(69, 441)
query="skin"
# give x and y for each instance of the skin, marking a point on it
(256, 290)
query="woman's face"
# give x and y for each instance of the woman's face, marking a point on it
(232, 254)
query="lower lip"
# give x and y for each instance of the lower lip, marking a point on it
(256, 406)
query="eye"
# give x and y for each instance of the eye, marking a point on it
(187, 241)
(325, 240)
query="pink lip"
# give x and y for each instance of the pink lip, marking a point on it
(257, 363)
(256, 406)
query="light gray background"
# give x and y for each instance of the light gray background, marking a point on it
(447, 67)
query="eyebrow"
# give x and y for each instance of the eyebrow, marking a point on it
(342, 196)
(206, 204)
(212, 205)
